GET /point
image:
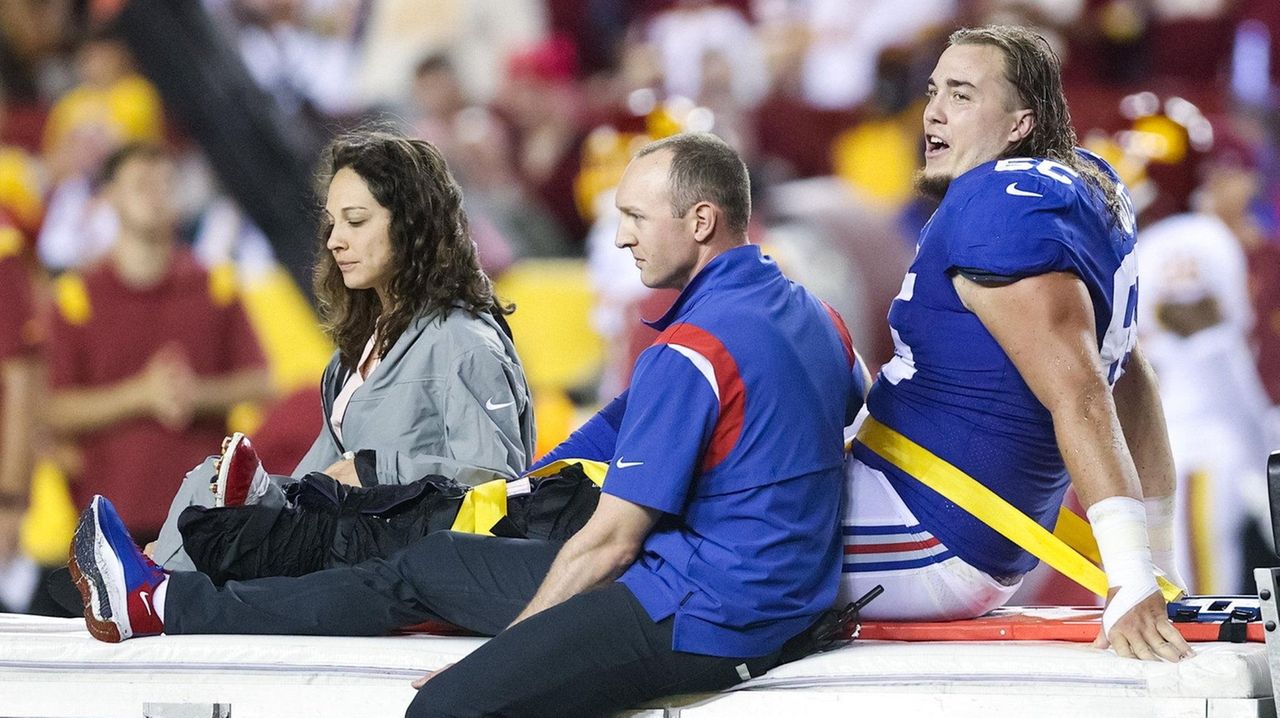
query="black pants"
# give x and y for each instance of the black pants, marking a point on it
(324, 525)
(327, 524)
(596, 653)
(479, 583)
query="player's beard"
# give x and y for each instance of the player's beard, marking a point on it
(933, 186)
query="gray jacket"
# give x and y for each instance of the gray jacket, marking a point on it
(449, 398)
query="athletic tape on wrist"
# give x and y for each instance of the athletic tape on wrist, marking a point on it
(1159, 512)
(1120, 526)
(1160, 532)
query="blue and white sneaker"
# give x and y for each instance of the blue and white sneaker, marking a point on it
(116, 580)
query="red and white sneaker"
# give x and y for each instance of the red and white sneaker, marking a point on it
(240, 480)
(116, 580)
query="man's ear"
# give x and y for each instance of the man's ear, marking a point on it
(1023, 123)
(705, 218)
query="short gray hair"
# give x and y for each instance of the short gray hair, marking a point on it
(704, 168)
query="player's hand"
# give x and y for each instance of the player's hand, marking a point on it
(344, 472)
(428, 676)
(1145, 632)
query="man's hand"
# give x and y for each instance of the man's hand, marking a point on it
(597, 554)
(1145, 632)
(344, 472)
(429, 675)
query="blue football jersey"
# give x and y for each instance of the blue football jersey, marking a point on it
(951, 388)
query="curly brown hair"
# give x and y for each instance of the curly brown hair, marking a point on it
(1035, 72)
(434, 257)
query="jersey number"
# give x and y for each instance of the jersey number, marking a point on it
(903, 364)
(1053, 170)
(1122, 330)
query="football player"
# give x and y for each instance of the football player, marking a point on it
(1015, 359)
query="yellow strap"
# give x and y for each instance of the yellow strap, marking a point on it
(1076, 533)
(486, 504)
(595, 470)
(482, 507)
(989, 508)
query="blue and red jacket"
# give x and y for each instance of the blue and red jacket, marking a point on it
(732, 427)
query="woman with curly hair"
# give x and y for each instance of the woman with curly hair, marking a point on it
(425, 380)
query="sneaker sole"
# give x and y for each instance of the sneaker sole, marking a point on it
(86, 558)
(229, 445)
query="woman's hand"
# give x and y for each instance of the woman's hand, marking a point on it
(344, 472)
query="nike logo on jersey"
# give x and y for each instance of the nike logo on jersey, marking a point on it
(626, 464)
(494, 407)
(145, 603)
(1013, 190)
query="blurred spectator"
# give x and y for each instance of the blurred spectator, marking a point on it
(79, 226)
(1194, 320)
(19, 372)
(1264, 291)
(839, 70)
(147, 351)
(1260, 32)
(542, 102)
(1192, 40)
(1122, 42)
(21, 182)
(438, 97)
(225, 236)
(301, 52)
(880, 155)
(596, 26)
(32, 35)
(848, 85)
(694, 30)
(259, 159)
(1157, 151)
(110, 106)
(478, 36)
(474, 142)
(493, 188)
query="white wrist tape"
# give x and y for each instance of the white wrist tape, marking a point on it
(1160, 532)
(1120, 527)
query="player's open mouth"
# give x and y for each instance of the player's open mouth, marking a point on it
(934, 146)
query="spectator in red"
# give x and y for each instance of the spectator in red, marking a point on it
(146, 353)
(543, 104)
(19, 337)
